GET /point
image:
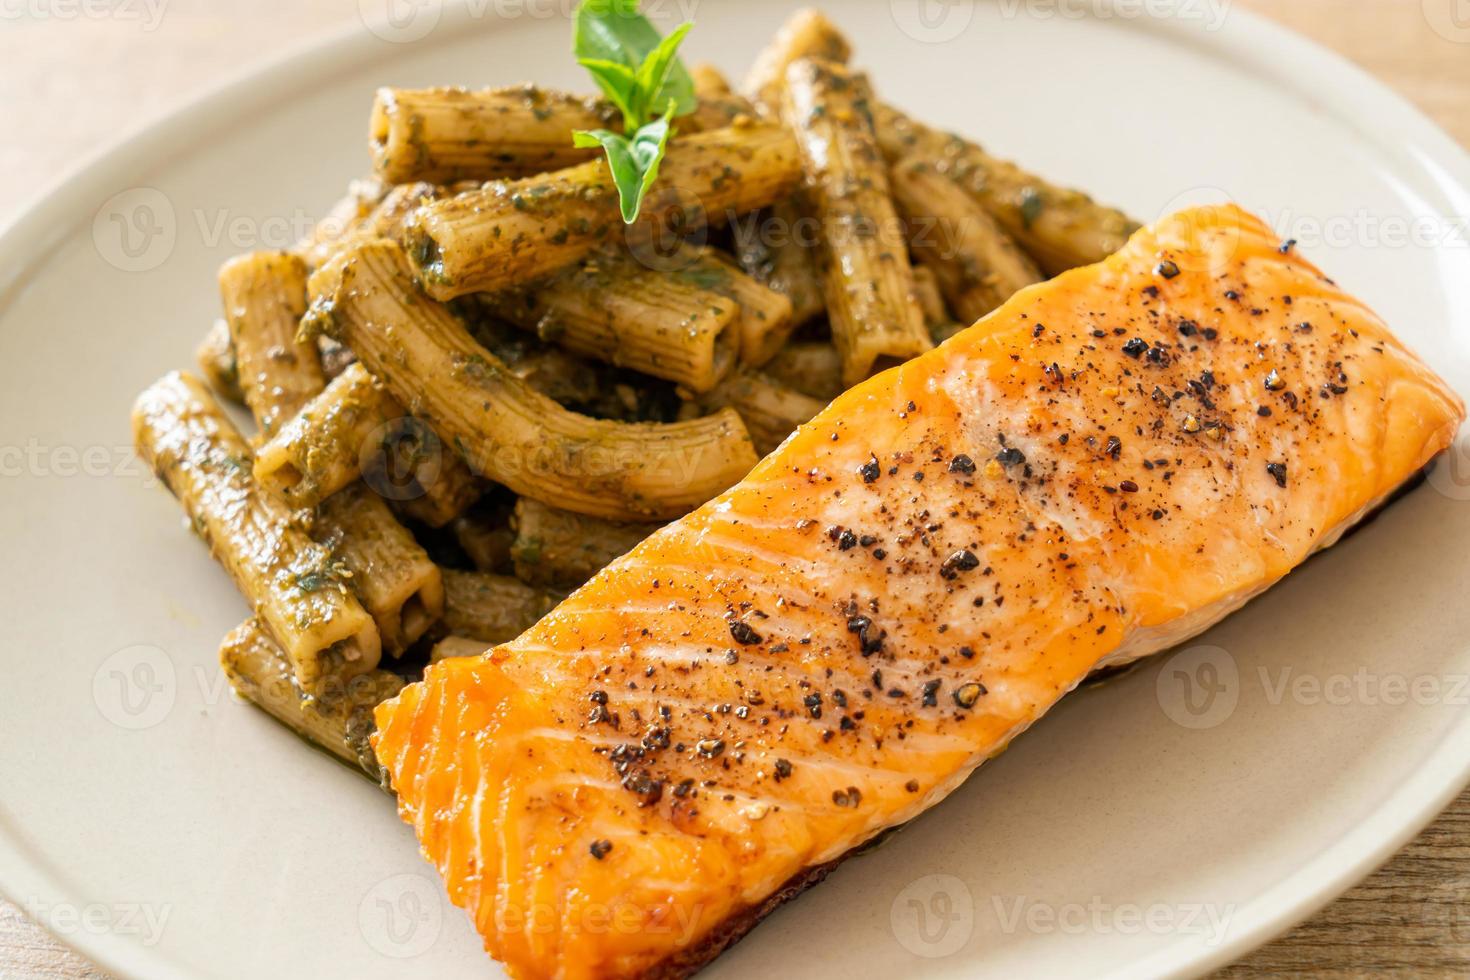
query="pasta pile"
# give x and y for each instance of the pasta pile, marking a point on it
(474, 386)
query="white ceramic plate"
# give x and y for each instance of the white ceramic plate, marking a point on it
(1160, 825)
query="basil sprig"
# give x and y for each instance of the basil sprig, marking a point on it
(640, 72)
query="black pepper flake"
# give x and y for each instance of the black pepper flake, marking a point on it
(962, 464)
(1128, 486)
(1135, 347)
(1188, 328)
(963, 560)
(744, 634)
(1114, 447)
(967, 652)
(600, 848)
(967, 694)
(813, 704)
(645, 787)
(598, 697)
(849, 797)
(1278, 473)
(1287, 245)
(1274, 381)
(1010, 457)
(846, 540)
(1157, 515)
(870, 470)
(1264, 411)
(870, 641)
(710, 748)
(931, 693)
(1167, 268)
(783, 769)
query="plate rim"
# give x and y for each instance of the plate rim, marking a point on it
(1332, 81)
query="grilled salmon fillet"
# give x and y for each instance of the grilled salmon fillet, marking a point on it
(1106, 465)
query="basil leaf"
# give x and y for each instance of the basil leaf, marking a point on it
(633, 160)
(614, 31)
(620, 85)
(654, 76)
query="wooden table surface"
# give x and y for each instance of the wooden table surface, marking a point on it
(70, 83)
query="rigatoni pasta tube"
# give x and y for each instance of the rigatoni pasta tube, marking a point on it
(509, 233)
(559, 549)
(384, 219)
(216, 357)
(389, 571)
(812, 367)
(506, 431)
(771, 411)
(347, 214)
(865, 270)
(931, 300)
(293, 584)
(977, 265)
(617, 310)
(355, 420)
(339, 720)
(492, 608)
(264, 296)
(443, 135)
(1059, 227)
(448, 134)
(806, 34)
(772, 247)
(764, 320)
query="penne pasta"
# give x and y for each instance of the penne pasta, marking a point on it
(558, 549)
(448, 134)
(974, 262)
(806, 34)
(388, 570)
(709, 80)
(866, 277)
(294, 585)
(486, 538)
(1059, 228)
(216, 357)
(931, 301)
(776, 247)
(355, 428)
(457, 646)
(505, 430)
(619, 311)
(507, 234)
(385, 220)
(771, 411)
(264, 296)
(339, 720)
(444, 135)
(764, 317)
(812, 367)
(348, 213)
(492, 608)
